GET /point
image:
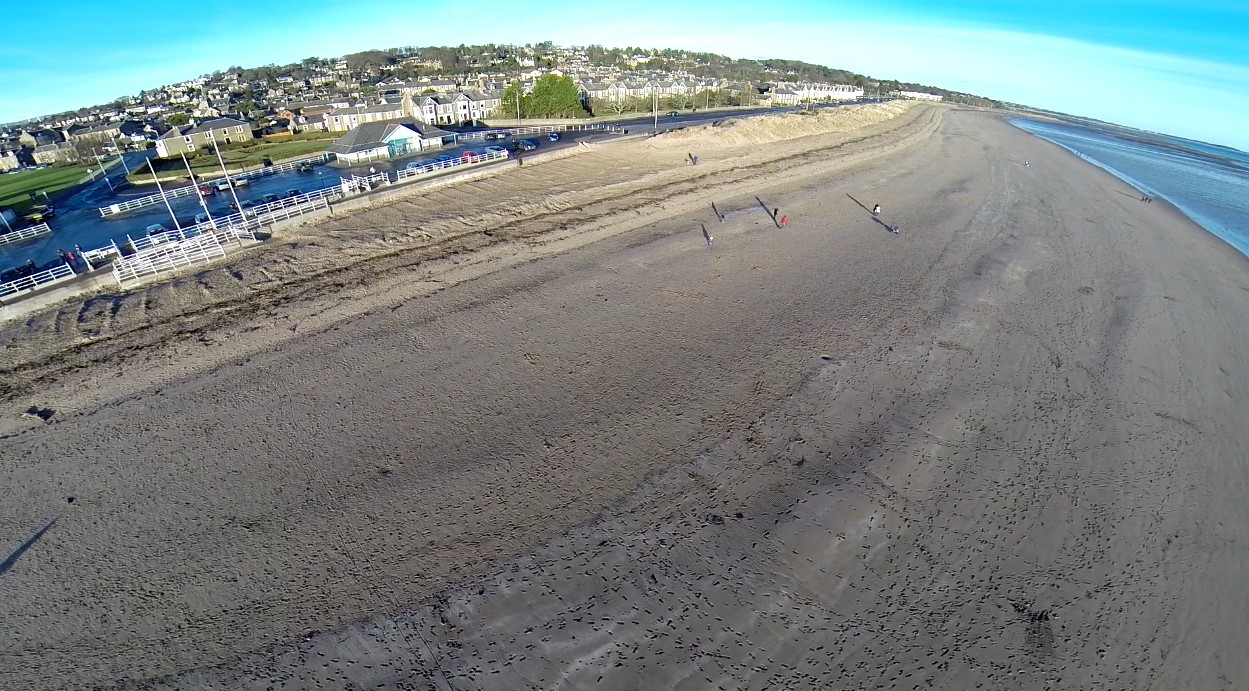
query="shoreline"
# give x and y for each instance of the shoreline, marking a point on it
(820, 455)
(1139, 186)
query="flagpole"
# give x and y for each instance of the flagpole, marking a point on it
(163, 197)
(237, 204)
(202, 201)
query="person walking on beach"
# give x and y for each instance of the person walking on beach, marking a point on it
(707, 236)
(1025, 164)
(876, 210)
(784, 221)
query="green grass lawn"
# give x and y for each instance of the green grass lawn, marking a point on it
(15, 188)
(238, 157)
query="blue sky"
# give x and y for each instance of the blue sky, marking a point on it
(1163, 65)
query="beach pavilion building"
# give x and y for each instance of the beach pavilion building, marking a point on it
(373, 141)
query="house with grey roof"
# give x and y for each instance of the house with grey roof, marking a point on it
(372, 141)
(189, 138)
(346, 119)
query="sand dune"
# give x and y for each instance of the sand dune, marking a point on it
(1001, 449)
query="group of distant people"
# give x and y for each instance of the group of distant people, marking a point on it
(1147, 199)
(782, 221)
(76, 261)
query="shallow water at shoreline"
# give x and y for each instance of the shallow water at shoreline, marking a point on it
(1208, 184)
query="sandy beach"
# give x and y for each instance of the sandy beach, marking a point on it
(533, 432)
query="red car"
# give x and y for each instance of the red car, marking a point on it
(206, 191)
(470, 157)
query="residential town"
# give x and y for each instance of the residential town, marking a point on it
(437, 87)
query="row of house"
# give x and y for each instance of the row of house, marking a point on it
(197, 135)
(919, 95)
(784, 93)
(431, 109)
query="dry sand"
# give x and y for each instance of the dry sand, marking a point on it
(1003, 449)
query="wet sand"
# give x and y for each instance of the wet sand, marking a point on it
(1001, 449)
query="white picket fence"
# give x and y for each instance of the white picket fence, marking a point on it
(459, 161)
(25, 233)
(186, 190)
(61, 272)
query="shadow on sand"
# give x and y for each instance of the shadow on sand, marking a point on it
(772, 214)
(882, 224)
(17, 553)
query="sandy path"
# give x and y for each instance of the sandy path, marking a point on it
(1000, 449)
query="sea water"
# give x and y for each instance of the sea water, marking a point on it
(1208, 183)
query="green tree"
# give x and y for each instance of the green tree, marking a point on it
(507, 102)
(555, 96)
(177, 119)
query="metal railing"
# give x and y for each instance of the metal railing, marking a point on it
(277, 212)
(364, 183)
(100, 256)
(433, 166)
(166, 257)
(56, 274)
(534, 129)
(25, 233)
(149, 200)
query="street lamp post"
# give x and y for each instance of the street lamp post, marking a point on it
(102, 170)
(655, 105)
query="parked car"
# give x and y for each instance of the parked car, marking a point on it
(291, 193)
(305, 167)
(201, 218)
(672, 113)
(206, 191)
(416, 164)
(158, 233)
(526, 145)
(553, 136)
(17, 272)
(40, 213)
(444, 157)
(223, 186)
(494, 136)
(241, 182)
(470, 156)
(495, 150)
(270, 198)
